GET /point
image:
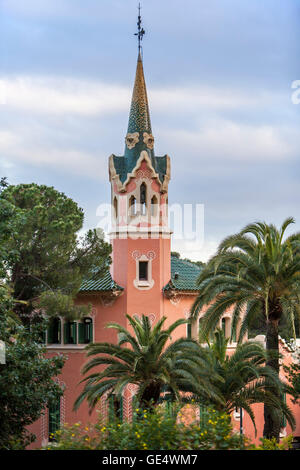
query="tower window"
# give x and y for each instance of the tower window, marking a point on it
(115, 208)
(143, 270)
(154, 206)
(143, 198)
(132, 206)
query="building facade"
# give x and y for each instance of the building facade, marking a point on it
(144, 278)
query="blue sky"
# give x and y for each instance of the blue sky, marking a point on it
(219, 76)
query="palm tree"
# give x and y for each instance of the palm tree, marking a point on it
(254, 272)
(147, 362)
(245, 378)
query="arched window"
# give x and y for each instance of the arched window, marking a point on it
(132, 206)
(85, 331)
(54, 331)
(115, 208)
(143, 198)
(154, 206)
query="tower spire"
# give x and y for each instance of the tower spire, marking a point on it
(139, 133)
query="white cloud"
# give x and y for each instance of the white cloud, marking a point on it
(194, 250)
(57, 95)
(63, 95)
(15, 148)
(227, 140)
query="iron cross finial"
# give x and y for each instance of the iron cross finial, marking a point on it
(141, 30)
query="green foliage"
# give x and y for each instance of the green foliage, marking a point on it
(41, 249)
(243, 378)
(272, 444)
(158, 430)
(255, 273)
(26, 380)
(149, 362)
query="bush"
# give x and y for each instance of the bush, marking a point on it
(272, 444)
(161, 429)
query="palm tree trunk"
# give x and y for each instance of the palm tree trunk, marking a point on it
(271, 416)
(151, 395)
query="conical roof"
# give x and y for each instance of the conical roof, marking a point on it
(139, 116)
(139, 123)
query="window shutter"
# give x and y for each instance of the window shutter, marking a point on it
(189, 330)
(81, 328)
(50, 332)
(66, 333)
(70, 332)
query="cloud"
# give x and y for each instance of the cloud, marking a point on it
(226, 140)
(194, 250)
(58, 95)
(14, 148)
(52, 95)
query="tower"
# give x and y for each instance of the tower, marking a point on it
(140, 235)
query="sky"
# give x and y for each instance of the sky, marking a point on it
(219, 76)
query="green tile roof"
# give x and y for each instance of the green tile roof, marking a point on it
(123, 165)
(186, 275)
(100, 283)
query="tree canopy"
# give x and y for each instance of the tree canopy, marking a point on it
(49, 258)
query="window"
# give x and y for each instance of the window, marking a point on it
(70, 332)
(224, 326)
(54, 331)
(132, 206)
(54, 417)
(143, 198)
(115, 208)
(154, 206)
(188, 330)
(115, 408)
(143, 270)
(85, 331)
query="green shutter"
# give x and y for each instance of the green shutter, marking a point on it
(85, 331)
(50, 333)
(81, 328)
(70, 333)
(189, 330)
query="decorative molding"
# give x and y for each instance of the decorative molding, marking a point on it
(148, 139)
(136, 254)
(143, 156)
(173, 296)
(132, 139)
(108, 298)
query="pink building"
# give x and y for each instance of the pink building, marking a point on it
(144, 277)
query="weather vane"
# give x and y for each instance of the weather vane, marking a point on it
(141, 30)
